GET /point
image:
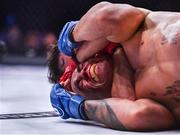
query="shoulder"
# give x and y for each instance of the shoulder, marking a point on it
(112, 8)
(159, 18)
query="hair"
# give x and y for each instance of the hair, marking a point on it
(54, 71)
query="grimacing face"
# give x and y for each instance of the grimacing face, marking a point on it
(93, 80)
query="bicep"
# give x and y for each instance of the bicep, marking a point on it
(120, 21)
(107, 20)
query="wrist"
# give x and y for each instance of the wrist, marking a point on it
(83, 113)
(77, 107)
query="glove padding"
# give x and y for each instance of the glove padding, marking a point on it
(66, 104)
(65, 43)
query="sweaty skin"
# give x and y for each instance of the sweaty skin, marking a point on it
(151, 45)
(154, 53)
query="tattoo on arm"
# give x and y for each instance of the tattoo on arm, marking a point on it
(174, 91)
(102, 112)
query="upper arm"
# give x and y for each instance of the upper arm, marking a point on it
(115, 22)
(120, 21)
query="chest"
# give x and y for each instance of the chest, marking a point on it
(155, 55)
(140, 49)
(160, 83)
(154, 45)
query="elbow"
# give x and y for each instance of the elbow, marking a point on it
(147, 118)
(138, 119)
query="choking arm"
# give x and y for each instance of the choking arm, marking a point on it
(106, 22)
(124, 114)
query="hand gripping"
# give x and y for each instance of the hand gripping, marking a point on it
(65, 43)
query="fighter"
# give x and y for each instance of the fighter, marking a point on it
(143, 77)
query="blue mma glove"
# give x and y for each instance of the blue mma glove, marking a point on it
(66, 104)
(65, 43)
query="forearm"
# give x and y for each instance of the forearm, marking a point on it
(88, 48)
(104, 111)
(124, 114)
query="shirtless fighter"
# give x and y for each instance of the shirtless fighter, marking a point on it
(143, 76)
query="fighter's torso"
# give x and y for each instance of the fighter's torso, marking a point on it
(154, 53)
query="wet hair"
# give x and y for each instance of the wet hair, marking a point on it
(54, 71)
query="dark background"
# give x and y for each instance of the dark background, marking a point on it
(25, 25)
(50, 15)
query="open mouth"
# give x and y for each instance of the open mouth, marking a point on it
(93, 73)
